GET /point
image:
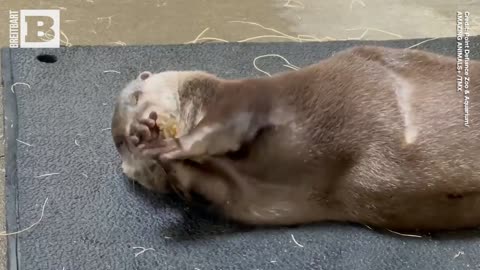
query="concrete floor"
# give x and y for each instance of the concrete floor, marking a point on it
(128, 22)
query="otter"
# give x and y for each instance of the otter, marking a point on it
(371, 135)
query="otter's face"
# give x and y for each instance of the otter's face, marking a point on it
(148, 92)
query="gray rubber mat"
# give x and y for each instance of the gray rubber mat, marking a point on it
(59, 147)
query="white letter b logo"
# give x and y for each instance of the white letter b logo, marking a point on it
(39, 28)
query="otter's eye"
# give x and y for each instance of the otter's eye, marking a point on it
(135, 96)
(119, 142)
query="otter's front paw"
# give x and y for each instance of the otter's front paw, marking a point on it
(159, 147)
(147, 138)
(143, 129)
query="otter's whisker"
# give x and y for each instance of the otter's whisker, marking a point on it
(404, 234)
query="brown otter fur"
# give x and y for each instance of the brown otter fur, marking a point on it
(371, 135)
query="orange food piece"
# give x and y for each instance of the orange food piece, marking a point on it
(168, 126)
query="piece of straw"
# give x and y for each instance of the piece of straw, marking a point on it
(19, 83)
(280, 35)
(212, 39)
(111, 71)
(458, 254)
(109, 20)
(293, 238)
(269, 36)
(45, 175)
(297, 4)
(314, 38)
(266, 28)
(142, 251)
(361, 37)
(298, 38)
(65, 39)
(290, 65)
(200, 38)
(420, 43)
(199, 35)
(357, 1)
(121, 43)
(31, 226)
(366, 30)
(22, 142)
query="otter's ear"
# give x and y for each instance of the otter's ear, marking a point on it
(144, 75)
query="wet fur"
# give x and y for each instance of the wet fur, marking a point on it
(371, 135)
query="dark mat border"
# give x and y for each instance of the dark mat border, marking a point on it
(11, 179)
(11, 113)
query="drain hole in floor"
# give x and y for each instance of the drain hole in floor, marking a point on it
(47, 58)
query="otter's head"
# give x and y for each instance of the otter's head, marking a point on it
(148, 92)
